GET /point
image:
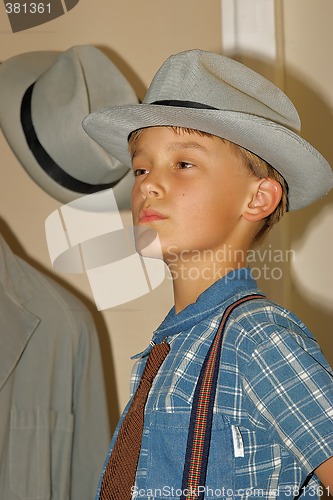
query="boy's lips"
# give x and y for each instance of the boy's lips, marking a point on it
(149, 215)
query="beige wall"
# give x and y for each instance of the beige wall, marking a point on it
(308, 80)
(139, 35)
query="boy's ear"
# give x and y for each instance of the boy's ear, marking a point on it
(265, 198)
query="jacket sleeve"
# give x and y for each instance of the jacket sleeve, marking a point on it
(91, 425)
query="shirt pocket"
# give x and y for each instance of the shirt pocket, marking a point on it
(167, 441)
(40, 445)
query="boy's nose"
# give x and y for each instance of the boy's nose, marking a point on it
(149, 192)
(151, 188)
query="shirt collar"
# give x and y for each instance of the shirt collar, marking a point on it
(230, 287)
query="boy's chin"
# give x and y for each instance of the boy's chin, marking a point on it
(147, 242)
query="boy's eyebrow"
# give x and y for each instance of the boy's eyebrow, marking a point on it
(134, 153)
(186, 145)
(175, 146)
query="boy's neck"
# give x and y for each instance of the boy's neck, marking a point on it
(193, 275)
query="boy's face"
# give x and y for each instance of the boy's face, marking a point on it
(190, 189)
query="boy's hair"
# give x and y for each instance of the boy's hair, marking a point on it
(254, 163)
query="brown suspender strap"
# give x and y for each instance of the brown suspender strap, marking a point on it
(200, 428)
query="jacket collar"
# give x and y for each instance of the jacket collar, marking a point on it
(17, 322)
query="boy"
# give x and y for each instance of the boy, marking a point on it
(216, 163)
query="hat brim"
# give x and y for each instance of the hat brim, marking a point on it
(307, 173)
(16, 76)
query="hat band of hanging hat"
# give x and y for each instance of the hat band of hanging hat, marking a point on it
(184, 104)
(50, 167)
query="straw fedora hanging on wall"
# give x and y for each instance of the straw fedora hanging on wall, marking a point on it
(44, 97)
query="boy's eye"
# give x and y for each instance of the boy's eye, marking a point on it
(184, 165)
(140, 171)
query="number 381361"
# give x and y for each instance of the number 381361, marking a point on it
(28, 8)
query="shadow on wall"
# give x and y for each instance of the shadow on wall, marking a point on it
(308, 232)
(311, 229)
(101, 327)
(126, 70)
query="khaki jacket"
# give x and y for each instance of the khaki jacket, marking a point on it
(54, 430)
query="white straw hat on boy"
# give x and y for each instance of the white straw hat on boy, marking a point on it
(215, 94)
(44, 97)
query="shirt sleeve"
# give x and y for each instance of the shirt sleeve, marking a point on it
(290, 386)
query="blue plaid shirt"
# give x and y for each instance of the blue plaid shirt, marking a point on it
(273, 413)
